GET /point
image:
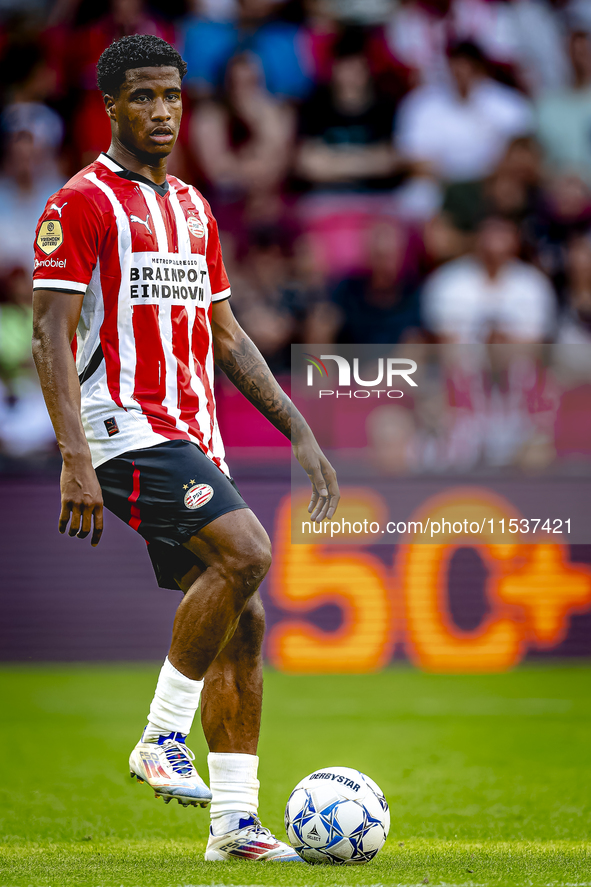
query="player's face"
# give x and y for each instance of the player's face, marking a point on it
(147, 112)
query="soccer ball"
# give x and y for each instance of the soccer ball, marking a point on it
(337, 816)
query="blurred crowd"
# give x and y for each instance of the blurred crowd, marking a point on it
(382, 171)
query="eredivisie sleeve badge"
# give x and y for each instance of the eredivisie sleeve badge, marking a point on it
(50, 236)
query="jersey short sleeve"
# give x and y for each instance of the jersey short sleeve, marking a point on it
(220, 285)
(66, 243)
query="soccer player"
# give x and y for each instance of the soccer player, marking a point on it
(129, 278)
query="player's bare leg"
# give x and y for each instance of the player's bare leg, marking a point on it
(235, 552)
(233, 682)
(231, 718)
(233, 557)
(232, 697)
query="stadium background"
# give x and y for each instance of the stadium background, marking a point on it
(348, 180)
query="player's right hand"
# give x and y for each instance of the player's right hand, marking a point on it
(82, 501)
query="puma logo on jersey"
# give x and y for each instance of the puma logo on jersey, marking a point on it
(59, 209)
(146, 224)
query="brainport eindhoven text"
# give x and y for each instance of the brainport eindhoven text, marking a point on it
(158, 290)
(389, 371)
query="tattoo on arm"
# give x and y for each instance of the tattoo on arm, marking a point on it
(245, 366)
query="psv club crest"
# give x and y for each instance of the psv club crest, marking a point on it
(195, 226)
(198, 496)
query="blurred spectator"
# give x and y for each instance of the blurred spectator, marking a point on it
(539, 49)
(574, 325)
(417, 34)
(523, 38)
(345, 128)
(514, 191)
(511, 191)
(460, 131)
(323, 29)
(381, 306)
(242, 140)
(564, 117)
(25, 185)
(503, 405)
(320, 34)
(345, 157)
(27, 83)
(564, 212)
(16, 326)
(25, 427)
(268, 302)
(490, 295)
(32, 136)
(209, 43)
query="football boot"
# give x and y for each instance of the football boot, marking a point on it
(167, 766)
(249, 841)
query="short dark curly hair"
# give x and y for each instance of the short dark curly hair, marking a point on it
(137, 51)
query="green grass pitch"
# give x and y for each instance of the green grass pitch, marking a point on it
(488, 777)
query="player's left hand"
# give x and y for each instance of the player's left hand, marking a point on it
(325, 489)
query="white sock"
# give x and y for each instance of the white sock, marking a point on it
(174, 705)
(235, 789)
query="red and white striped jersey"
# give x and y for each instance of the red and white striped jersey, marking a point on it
(149, 263)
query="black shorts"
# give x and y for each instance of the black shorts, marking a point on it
(167, 493)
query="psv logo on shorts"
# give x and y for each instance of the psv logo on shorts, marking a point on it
(198, 496)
